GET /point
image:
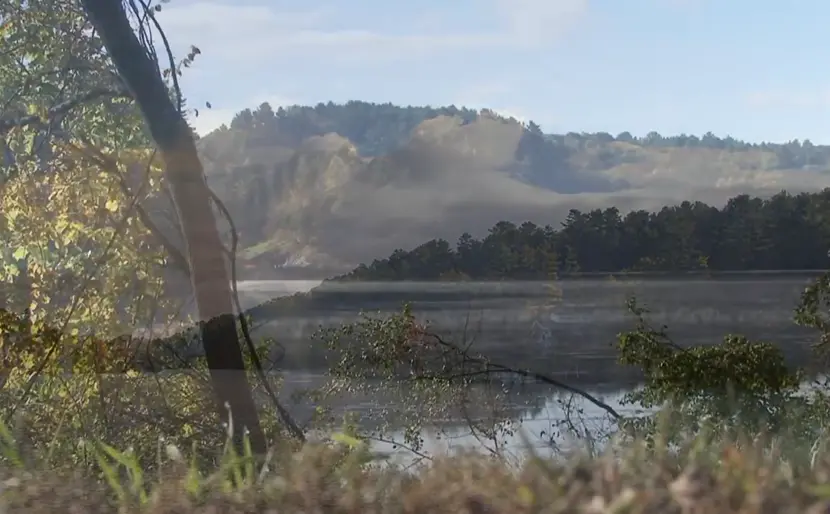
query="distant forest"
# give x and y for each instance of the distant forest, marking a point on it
(379, 128)
(785, 232)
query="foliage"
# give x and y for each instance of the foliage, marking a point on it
(113, 398)
(75, 178)
(714, 390)
(813, 310)
(78, 264)
(785, 232)
(736, 380)
(374, 128)
(426, 376)
(736, 366)
(81, 248)
(736, 387)
(389, 357)
(82, 263)
(83, 266)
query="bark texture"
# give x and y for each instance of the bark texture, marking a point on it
(183, 170)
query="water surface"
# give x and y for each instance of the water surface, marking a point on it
(565, 329)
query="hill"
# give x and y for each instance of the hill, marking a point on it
(334, 185)
(783, 233)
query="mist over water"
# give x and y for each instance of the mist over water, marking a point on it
(571, 337)
(567, 328)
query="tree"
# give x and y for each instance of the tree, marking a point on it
(183, 170)
(243, 120)
(46, 123)
(399, 354)
(625, 137)
(83, 260)
(604, 137)
(534, 129)
(782, 232)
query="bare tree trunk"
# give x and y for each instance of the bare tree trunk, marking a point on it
(183, 170)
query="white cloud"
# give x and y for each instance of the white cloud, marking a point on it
(244, 32)
(244, 44)
(228, 18)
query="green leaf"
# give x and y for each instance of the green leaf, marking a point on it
(20, 253)
(351, 442)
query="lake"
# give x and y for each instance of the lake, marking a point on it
(565, 329)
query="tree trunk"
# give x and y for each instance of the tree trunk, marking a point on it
(183, 170)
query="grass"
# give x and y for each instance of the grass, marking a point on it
(737, 477)
(682, 461)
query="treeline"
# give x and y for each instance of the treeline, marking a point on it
(379, 128)
(793, 154)
(785, 232)
(375, 129)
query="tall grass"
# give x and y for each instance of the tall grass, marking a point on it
(708, 473)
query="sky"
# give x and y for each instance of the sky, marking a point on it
(756, 70)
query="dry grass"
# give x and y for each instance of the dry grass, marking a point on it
(322, 479)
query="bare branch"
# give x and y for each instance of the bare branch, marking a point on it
(489, 368)
(285, 416)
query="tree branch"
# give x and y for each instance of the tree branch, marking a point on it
(62, 108)
(204, 248)
(110, 165)
(493, 368)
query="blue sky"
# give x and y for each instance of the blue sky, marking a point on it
(756, 70)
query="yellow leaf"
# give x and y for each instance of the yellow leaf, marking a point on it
(112, 205)
(526, 495)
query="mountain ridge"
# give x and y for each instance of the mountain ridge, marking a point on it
(335, 185)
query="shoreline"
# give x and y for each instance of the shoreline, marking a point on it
(334, 277)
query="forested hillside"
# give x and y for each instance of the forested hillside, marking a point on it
(334, 185)
(376, 129)
(785, 232)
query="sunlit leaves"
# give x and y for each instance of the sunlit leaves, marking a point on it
(75, 255)
(66, 216)
(70, 228)
(77, 252)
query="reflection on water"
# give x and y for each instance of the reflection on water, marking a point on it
(566, 328)
(566, 331)
(544, 416)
